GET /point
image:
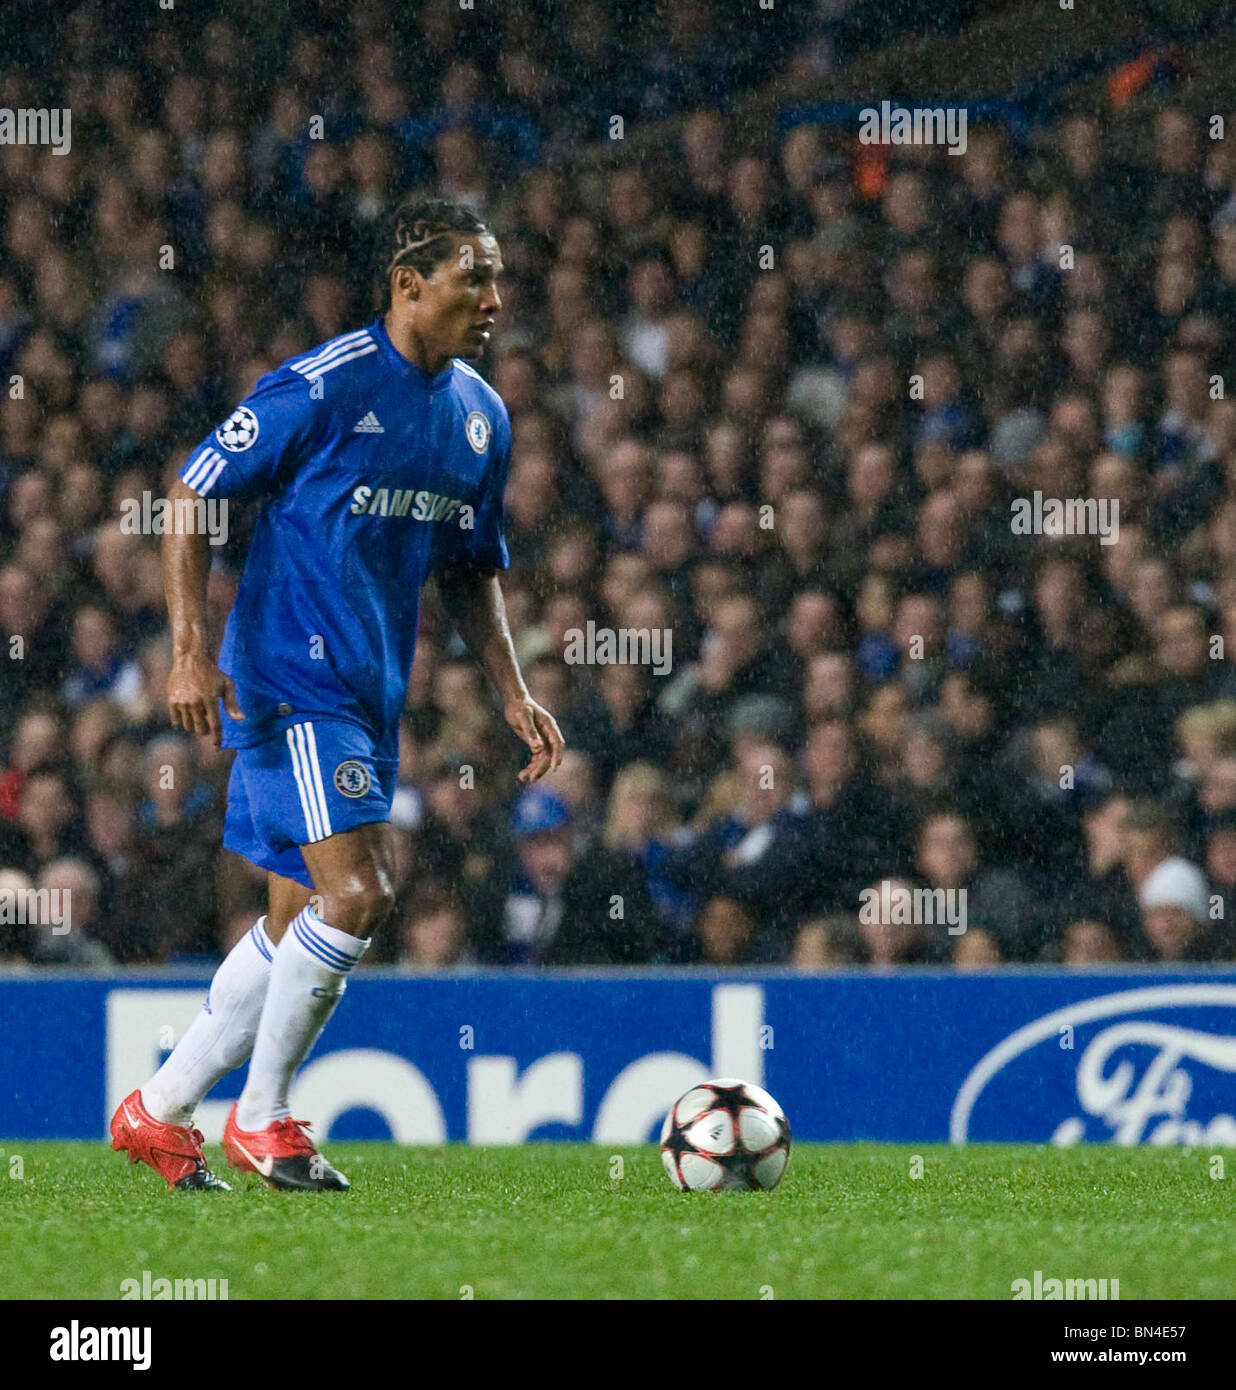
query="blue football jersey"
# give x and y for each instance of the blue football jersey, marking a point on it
(371, 474)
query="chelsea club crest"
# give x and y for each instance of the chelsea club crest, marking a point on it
(352, 778)
(476, 427)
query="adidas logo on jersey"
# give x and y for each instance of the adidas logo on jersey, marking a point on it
(368, 425)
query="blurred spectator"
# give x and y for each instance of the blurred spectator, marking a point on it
(975, 949)
(461, 843)
(17, 935)
(434, 933)
(891, 936)
(70, 936)
(1175, 910)
(567, 904)
(758, 852)
(642, 823)
(999, 902)
(826, 942)
(98, 667)
(37, 740)
(857, 828)
(725, 933)
(1089, 943)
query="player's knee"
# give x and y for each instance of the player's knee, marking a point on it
(361, 906)
(381, 903)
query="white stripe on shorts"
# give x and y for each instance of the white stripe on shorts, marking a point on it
(316, 821)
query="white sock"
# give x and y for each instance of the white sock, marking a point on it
(307, 980)
(221, 1036)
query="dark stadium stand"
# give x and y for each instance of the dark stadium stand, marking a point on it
(841, 366)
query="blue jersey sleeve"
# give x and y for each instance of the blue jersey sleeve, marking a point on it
(482, 545)
(258, 447)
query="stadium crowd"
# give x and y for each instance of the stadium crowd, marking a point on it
(772, 393)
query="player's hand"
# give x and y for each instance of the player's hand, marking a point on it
(540, 731)
(194, 690)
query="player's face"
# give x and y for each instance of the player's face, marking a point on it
(460, 299)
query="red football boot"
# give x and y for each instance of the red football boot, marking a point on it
(283, 1154)
(173, 1151)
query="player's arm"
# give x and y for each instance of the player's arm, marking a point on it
(248, 457)
(195, 684)
(473, 599)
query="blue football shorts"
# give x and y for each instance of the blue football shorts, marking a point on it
(313, 780)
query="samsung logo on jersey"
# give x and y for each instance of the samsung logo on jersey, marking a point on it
(416, 506)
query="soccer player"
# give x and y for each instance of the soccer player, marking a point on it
(379, 458)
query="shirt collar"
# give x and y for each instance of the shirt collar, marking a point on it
(406, 369)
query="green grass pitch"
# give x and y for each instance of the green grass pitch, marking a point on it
(570, 1221)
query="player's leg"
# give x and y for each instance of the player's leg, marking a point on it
(353, 876)
(154, 1124)
(286, 897)
(221, 1038)
(319, 798)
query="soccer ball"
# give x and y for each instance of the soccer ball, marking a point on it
(238, 431)
(725, 1134)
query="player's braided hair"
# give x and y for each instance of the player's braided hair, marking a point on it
(421, 234)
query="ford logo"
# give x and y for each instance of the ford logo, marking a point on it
(1141, 1073)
